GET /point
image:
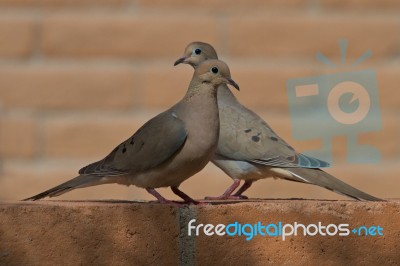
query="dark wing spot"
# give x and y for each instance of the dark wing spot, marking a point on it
(247, 130)
(255, 138)
(274, 138)
(124, 150)
(132, 141)
(141, 146)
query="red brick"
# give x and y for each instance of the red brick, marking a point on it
(17, 137)
(225, 5)
(386, 139)
(16, 37)
(304, 36)
(91, 136)
(361, 5)
(264, 87)
(376, 179)
(93, 233)
(163, 86)
(20, 180)
(105, 232)
(67, 87)
(59, 3)
(388, 83)
(150, 37)
(299, 250)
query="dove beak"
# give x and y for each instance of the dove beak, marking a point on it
(231, 82)
(180, 60)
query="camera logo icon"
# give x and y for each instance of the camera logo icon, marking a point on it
(337, 104)
(358, 92)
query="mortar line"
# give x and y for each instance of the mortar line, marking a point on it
(186, 243)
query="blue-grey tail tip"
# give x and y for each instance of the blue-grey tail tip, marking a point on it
(311, 162)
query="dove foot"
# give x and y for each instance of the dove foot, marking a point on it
(185, 197)
(242, 189)
(160, 198)
(228, 193)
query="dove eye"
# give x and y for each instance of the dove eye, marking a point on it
(197, 51)
(214, 70)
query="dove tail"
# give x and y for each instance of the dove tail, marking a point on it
(323, 179)
(77, 182)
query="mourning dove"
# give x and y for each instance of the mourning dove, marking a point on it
(249, 150)
(169, 148)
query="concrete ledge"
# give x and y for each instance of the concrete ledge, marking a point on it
(141, 233)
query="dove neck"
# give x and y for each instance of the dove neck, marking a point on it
(201, 89)
(225, 94)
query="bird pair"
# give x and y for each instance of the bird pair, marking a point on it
(208, 124)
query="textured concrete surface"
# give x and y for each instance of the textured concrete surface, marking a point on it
(143, 233)
(87, 233)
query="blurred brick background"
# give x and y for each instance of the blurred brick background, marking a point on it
(79, 76)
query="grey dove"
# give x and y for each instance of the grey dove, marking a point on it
(249, 150)
(169, 148)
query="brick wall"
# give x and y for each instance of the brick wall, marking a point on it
(117, 233)
(77, 77)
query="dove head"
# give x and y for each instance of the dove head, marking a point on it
(197, 52)
(214, 72)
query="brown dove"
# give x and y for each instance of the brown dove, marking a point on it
(249, 150)
(169, 148)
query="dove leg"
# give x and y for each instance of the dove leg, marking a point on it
(228, 193)
(184, 196)
(245, 186)
(160, 198)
